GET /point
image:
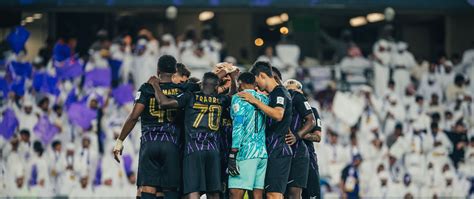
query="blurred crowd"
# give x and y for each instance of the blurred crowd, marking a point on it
(407, 130)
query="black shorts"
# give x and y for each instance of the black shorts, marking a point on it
(159, 165)
(313, 188)
(299, 172)
(278, 171)
(201, 172)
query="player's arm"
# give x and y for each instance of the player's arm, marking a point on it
(315, 134)
(275, 113)
(303, 108)
(233, 86)
(163, 100)
(132, 119)
(237, 114)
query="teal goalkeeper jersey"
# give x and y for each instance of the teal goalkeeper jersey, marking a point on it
(248, 131)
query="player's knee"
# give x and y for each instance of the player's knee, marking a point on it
(148, 189)
(236, 193)
(274, 195)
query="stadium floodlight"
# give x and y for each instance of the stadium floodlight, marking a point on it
(284, 30)
(273, 21)
(358, 21)
(284, 17)
(29, 19)
(37, 16)
(206, 15)
(375, 17)
(259, 42)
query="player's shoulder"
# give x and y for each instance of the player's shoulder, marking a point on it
(261, 96)
(189, 86)
(146, 87)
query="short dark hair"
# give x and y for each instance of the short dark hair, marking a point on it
(55, 143)
(183, 70)
(25, 132)
(38, 147)
(167, 64)
(262, 67)
(247, 78)
(276, 72)
(210, 76)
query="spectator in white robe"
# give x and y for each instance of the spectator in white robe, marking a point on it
(26, 114)
(113, 177)
(13, 159)
(55, 155)
(419, 70)
(197, 60)
(18, 187)
(452, 187)
(432, 86)
(467, 167)
(68, 174)
(441, 146)
(382, 187)
(383, 54)
(435, 105)
(446, 78)
(468, 57)
(336, 159)
(417, 112)
(211, 45)
(168, 46)
(25, 147)
(121, 50)
(270, 57)
(38, 173)
(83, 187)
(396, 167)
(458, 87)
(415, 160)
(393, 113)
(60, 119)
(449, 121)
(289, 54)
(88, 156)
(144, 64)
(403, 62)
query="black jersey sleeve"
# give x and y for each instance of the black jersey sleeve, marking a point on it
(278, 98)
(183, 99)
(301, 104)
(191, 87)
(226, 101)
(317, 118)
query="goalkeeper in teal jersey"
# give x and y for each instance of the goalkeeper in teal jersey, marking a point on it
(248, 156)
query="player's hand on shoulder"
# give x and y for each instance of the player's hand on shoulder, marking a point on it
(154, 81)
(248, 97)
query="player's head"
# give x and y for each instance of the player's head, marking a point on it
(293, 84)
(277, 75)
(263, 74)
(182, 74)
(246, 81)
(210, 82)
(166, 65)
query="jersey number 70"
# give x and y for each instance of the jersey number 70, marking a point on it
(213, 121)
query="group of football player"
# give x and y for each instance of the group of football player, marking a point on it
(225, 135)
